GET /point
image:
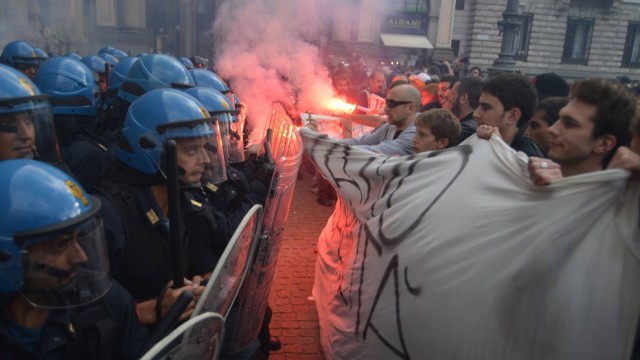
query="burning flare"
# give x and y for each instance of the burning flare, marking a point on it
(339, 105)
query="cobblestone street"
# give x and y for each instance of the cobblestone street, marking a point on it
(295, 320)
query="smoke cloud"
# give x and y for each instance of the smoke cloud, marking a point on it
(269, 49)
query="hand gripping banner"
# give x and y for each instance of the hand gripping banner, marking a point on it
(286, 147)
(456, 254)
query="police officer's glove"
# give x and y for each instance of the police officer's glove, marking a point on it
(264, 173)
(259, 191)
(260, 169)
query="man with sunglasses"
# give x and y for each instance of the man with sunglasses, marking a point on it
(396, 136)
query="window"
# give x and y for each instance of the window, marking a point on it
(631, 55)
(459, 4)
(455, 46)
(577, 41)
(106, 13)
(521, 40)
(411, 6)
(591, 3)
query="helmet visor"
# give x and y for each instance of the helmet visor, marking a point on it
(67, 268)
(28, 132)
(199, 153)
(232, 138)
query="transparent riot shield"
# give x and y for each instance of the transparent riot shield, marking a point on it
(230, 272)
(286, 147)
(198, 338)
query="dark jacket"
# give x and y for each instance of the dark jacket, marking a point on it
(525, 144)
(57, 341)
(468, 126)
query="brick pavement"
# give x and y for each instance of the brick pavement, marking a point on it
(295, 320)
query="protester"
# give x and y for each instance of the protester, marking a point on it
(436, 129)
(396, 136)
(550, 85)
(444, 88)
(546, 115)
(507, 102)
(465, 97)
(591, 127)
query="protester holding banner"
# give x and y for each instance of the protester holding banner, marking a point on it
(395, 278)
(591, 128)
(396, 136)
(507, 102)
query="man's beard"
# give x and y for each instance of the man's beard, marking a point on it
(455, 108)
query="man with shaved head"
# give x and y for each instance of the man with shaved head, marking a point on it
(396, 136)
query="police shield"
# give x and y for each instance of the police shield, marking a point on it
(198, 338)
(227, 277)
(286, 147)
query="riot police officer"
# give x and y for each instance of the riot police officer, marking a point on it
(74, 97)
(57, 298)
(134, 194)
(152, 71)
(21, 56)
(26, 123)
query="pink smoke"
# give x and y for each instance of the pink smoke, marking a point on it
(261, 42)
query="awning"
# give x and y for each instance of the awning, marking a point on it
(407, 41)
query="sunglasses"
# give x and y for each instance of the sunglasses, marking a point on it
(394, 103)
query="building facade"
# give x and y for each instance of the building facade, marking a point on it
(391, 31)
(574, 38)
(85, 26)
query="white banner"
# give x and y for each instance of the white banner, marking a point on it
(457, 255)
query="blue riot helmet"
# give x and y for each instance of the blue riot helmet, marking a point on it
(42, 56)
(186, 62)
(207, 78)
(219, 109)
(117, 75)
(95, 63)
(22, 56)
(164, 114)
(215, 103)
(110, 59)
(26, 122)
(141, 54)
(154, 71)
(51, 237)
(119, 54)
(116, 53)
(107, 49)
(73, 55)
(99, 66)
(71, 86)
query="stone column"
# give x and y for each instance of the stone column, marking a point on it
(442, 50)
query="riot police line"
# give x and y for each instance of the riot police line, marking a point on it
(134, 168)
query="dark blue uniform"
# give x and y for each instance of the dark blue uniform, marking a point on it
(124, 336)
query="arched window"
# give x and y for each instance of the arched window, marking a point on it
(411, 6)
